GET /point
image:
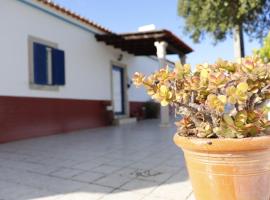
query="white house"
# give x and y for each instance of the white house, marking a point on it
(60, 72)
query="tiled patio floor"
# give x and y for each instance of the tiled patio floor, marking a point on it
(131, 162)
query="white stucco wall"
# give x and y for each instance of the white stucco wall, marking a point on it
(88, 62)
(145, 65)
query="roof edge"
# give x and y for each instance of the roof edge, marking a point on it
(178, 39)
(161, 34)
(67, 12)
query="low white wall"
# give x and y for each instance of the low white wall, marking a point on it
(88, 62)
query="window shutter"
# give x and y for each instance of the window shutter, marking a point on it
(58, 67)
(40, 64)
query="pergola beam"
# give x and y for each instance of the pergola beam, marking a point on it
(141, 43)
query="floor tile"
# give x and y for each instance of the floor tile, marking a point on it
(106, 169)
(66, 172)
(114, 181)
(140, 186)
(134, 161)
(88, 176)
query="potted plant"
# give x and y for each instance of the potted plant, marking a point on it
(224, 129)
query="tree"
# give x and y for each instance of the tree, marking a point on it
(220, 18)
(264, 51)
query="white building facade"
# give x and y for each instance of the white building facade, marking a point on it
(56, 77)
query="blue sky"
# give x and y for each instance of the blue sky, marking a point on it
(127, 15)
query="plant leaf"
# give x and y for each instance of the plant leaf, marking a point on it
(243, 87)
(228, 120)
(240, 118)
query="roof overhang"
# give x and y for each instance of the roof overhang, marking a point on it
(142, 43)
(67, 12)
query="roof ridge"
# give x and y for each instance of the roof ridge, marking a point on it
(74, 15)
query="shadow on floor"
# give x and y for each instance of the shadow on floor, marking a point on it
(137, 161)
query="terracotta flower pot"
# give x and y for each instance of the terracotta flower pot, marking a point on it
(228, 169)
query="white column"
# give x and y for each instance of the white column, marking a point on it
(161, 54)
(238, 42)
(183, 59)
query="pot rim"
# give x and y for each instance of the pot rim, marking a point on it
(222, 144)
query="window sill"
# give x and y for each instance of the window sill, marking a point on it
(44, 87)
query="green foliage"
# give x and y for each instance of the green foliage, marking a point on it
(219, 17)
(264, 52)
(224, 99)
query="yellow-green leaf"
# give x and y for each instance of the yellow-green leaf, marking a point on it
(204, 74)
(164, 103)
(230, 91)
(243, 87)
(241, 118)
(222, 98)
(163, 90)
(228, 120)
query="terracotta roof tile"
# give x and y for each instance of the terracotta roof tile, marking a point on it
(74, 15)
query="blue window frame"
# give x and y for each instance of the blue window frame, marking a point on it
(48, 65)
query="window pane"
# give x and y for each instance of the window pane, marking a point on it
(40, 64)
(58, 67)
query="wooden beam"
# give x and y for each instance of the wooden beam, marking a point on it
(143, 43)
